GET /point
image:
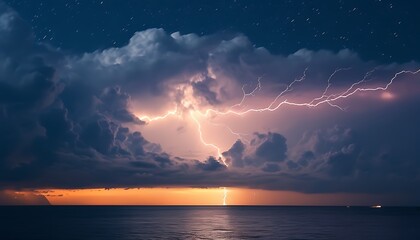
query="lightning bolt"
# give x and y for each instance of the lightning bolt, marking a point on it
(324, 94)
(219, 152)
(225, 194)
(167, 114)
(245, 95)
(323, 99)
(240, 136)
(275, 104)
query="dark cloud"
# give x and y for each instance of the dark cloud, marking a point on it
(234, 156)
(66, 121)
(50, 123)
(306, 158)
(26, 198)
(140, 164)
(99, 134)
(269, 147)
(211, 164)
(114, 103)
(202, 89)
(16, 35)
(273, 148)
(271, 167)
(342, 162)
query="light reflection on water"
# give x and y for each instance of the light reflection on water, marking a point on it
(182, 223)
(208, 223)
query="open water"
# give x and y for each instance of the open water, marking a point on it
(188, 222)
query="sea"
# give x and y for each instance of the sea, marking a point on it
(208, 222)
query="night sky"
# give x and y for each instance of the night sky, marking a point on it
(314, 97)
(378, 30)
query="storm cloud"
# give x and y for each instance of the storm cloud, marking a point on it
(67, 120)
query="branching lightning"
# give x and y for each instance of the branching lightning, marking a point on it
(245, 95)
(325, 98)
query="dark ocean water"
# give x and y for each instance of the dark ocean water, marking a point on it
(129, 222)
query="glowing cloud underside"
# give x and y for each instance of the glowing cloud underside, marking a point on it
(197, 114)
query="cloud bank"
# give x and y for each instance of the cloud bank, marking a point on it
(69, 120)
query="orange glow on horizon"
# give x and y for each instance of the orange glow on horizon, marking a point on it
(137, 196)
(199, 196)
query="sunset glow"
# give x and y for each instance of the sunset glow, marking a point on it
(194, 196)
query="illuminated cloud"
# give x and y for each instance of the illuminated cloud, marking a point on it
(71, 121)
